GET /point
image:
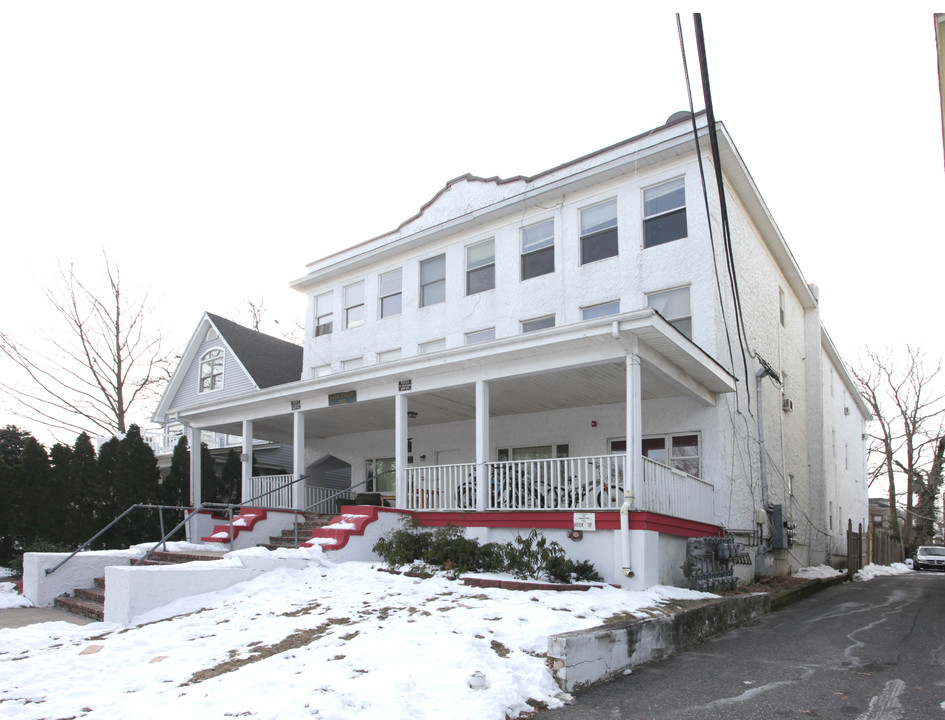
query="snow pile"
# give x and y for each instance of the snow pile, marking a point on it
(818, 571)
(332, 641)
(10, 598)
(871, 571)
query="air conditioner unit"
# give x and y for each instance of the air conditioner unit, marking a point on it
(787, 404)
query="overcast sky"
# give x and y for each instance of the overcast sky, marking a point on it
(211, 149)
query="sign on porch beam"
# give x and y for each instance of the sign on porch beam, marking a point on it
(343, 398)
(404, 385)
(296, 404)
(585, 521)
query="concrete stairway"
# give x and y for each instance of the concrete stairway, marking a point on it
(311, 522)
(90, 602)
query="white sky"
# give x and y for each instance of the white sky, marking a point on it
(213, 148)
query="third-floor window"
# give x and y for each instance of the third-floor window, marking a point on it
(433, 280)
(354, 305)
(324, 313)
(538, 249)
(389, 291)
(599, 231)
(480, 267)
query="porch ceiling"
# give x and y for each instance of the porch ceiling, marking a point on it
(599, 384)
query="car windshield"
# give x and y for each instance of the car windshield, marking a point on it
(932, 551)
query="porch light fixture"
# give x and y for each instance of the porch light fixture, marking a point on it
(412, 414)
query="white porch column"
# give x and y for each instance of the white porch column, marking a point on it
(193, 439)
(400, 449)
(482, 444)
(298, 457)
(246, 487)
(634, 478)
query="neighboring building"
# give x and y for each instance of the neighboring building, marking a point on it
(576, 337)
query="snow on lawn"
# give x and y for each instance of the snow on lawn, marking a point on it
(328, 641)
(10, 598)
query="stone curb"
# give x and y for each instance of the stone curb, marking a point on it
(582, 658)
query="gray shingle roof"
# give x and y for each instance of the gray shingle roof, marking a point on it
(269, 360)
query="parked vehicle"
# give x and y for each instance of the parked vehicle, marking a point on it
(930, 557)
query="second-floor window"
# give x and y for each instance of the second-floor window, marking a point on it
(674, 306)
(602, 310)
(354, 305)
(664, 213)
(599, 231)
(389, 291)
(433, 280)
(480, 267)
(211, 370)
(324, 314)
(538, 249)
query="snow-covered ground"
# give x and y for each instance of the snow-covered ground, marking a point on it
(329, 641)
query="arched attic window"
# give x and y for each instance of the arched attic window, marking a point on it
(211, 370)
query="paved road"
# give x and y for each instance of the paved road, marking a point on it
(864, 651)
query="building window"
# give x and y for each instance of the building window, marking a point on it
(538, 249)
(664, 213)
(352, 364)
(538, 323)
(211, 335)
(433, 280)
(432, 346)
(533, 452)
(480, 336)
(323, 314)
(674, 306)
(211, 370)
(354, 305)
(389, 355)
(480, 267)
(599, 232)
(680, 452)
(321, 370)
(389, 291)
(596, 311)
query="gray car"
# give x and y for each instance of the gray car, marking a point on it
(930, 557)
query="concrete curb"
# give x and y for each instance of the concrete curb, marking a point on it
(581, 658)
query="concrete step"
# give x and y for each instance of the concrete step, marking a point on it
(88, 608)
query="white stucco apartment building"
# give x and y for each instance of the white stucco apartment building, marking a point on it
(581, 350)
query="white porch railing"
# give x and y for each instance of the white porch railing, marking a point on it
(319, 496)
(271, 487)
(582, 483)
(672, 492)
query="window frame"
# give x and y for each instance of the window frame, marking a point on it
(542, 248)
(349, 306)
(683, 323)
(383, 297)
(595, 306)
(659, 217)
(324, 328)
(426, 348)
(487, 333)
(482, 269)
(438, 282)
(386, 356)
(675, 461)
(600, 239)
(216, 378)
(354, 363)
(523, 323)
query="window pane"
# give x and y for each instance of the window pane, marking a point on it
(665, 228)
(479, 280)
(390, 283)
(618, 447)
(480, 336)
(600, 217)
(391, 305)
(599, 246)
(432, 346)
(538, 263)
(685, 446)
(537, 452)
(354, 295)
(538, 236)
(655, 449)
(433, 293)
(480, 254)
(596, 311)
(662, 198)
(538, 324)
(354, 316)
(389, 355)
(323, 305)
(352, 364)
(671, 304)
(433, 269)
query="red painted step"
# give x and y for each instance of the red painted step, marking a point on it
(245, 521)
(352, 521)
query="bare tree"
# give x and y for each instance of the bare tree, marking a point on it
(905, 439)
(105, 364)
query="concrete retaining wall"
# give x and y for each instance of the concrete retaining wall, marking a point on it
(42, 589)
(583, 657)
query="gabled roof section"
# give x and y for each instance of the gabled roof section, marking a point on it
(266, 361)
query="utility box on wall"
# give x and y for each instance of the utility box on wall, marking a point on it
(782, 531)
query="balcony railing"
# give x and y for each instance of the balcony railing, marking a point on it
(672, 492)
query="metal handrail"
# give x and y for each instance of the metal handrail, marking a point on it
(203, 506)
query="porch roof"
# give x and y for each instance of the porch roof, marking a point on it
(571, 366)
